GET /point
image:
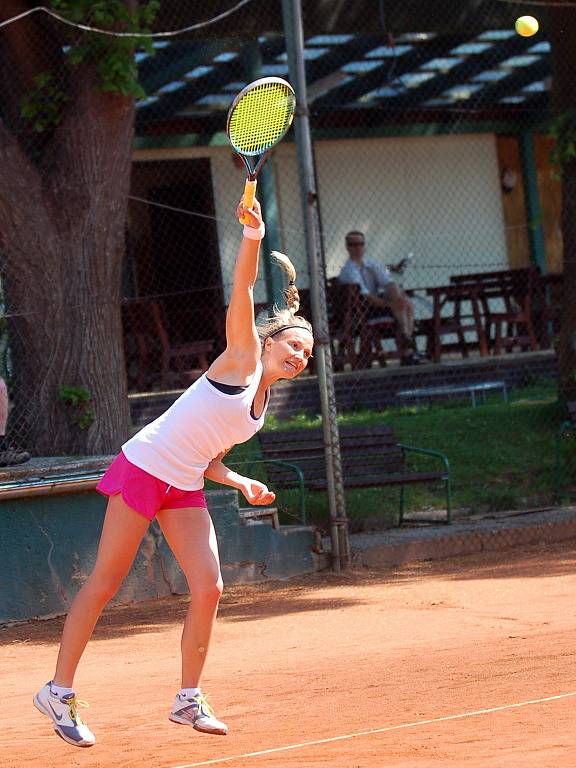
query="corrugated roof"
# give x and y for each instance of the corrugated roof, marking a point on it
(418, 73)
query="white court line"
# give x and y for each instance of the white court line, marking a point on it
(219, 760)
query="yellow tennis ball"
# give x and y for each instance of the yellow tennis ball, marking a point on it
(526, 26)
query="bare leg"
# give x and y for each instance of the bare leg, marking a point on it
(121, 535)
(409, 308)
(403, 311)
(191, 536)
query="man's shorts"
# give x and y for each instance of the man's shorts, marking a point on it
(143, 492)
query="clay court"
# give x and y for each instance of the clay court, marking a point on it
(467, 661)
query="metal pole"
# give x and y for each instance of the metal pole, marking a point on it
(273, 273)
(293, 31)
(534, 212)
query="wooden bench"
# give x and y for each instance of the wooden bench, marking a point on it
(566, 428)
(456, 312)
(506, 300)
(547, 308)
(342, 304)
(371, 456)
(355, 331)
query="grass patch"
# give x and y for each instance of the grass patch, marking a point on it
(502, 456)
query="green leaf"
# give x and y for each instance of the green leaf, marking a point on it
(115, 56)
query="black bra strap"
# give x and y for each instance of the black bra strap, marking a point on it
(228, 389)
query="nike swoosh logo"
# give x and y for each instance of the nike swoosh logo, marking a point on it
(58, 717)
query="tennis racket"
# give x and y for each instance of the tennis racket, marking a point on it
(258, 118)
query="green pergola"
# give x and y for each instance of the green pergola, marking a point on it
(356, 82)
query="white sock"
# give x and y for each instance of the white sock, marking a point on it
(60, 691)
(189, 693)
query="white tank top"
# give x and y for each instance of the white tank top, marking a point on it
(202, 423)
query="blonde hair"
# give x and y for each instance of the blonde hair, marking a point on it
(283, 318)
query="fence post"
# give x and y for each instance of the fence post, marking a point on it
(533, 209)
(293, 32)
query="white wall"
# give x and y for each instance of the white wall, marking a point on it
(438, 197)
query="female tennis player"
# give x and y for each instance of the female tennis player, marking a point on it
(160, 473)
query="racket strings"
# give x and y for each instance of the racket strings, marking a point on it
(260, 118)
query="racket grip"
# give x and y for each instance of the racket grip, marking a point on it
(248, 198)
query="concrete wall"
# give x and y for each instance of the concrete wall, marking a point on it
(48, 547)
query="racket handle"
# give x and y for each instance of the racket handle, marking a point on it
(249, 193)
(248, 198)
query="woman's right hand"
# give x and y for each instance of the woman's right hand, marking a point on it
(250, 216)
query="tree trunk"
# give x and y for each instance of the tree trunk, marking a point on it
(561, 25)
(567, 340)
(62, 225)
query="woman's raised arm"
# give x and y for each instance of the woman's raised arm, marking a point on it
(242, 343)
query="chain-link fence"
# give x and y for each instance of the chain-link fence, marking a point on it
(440, 211)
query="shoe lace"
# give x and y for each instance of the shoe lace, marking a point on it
(72, 705)
(203, 707)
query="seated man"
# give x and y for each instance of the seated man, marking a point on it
(381, 292)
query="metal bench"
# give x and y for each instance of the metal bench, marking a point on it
(473, 389)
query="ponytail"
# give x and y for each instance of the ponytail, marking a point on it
(284, 317)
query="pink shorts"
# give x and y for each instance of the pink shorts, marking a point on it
(143, 492)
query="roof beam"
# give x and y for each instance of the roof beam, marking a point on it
(340, 54)
(174, 61)
(461, 73)
(172, 103)
(390, 69)
(510, 85)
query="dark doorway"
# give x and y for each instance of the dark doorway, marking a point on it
(175, 244)
(172, 249)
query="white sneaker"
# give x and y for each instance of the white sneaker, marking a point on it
(196, 712)
(66, 720)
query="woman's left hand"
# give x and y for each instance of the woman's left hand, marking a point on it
(256, 492)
